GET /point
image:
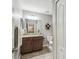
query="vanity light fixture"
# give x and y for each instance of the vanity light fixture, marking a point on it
(32, 17)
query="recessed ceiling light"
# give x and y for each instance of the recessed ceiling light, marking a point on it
(32, 17)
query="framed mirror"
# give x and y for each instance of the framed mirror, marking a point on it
(30, 28)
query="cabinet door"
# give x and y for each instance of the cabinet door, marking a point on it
(27, 45)
(37, 43)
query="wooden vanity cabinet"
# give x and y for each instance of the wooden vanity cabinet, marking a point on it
(26, 45)
(30, 44)
(37, 43)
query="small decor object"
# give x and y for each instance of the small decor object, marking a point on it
(47, 26)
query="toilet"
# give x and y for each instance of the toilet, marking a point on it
(49, 39)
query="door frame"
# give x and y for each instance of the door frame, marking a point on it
(55, 2)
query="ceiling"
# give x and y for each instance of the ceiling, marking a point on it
(40, 6)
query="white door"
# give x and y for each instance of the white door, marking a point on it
(60, 32)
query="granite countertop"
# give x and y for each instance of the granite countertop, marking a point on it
(32, 35)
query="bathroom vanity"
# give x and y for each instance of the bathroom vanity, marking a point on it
(31, 44)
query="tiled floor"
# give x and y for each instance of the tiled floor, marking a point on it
(43, 54)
